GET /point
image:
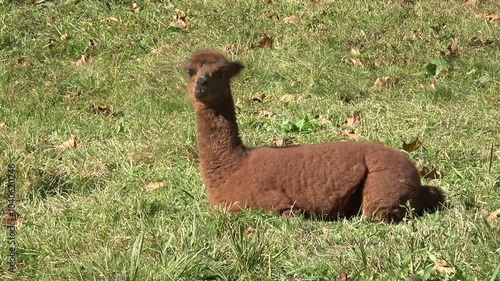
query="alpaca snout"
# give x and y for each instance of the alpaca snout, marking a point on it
(201, 87)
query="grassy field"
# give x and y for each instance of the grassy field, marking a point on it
(90, 212)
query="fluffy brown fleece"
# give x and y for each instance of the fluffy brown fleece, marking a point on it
(329, 180)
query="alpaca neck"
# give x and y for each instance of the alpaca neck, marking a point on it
(219, 144)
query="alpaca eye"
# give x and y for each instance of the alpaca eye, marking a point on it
(191, 72)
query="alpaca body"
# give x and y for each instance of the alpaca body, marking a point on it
(327, 180)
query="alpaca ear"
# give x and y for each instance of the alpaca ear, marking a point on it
(234, 68)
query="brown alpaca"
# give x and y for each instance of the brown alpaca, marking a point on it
(328, 181)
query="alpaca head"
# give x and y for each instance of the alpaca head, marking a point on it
(209, 77)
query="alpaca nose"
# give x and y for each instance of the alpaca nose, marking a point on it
(202, 81)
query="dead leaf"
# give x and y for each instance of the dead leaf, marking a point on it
(72, 142)
(452, 50)
(283, 141)
(73, 95)
(353, 61)
(266, 41)
(264, 113)
(111, 19)
(64, 37)
(272, 15)
(478, 42)
(430, 174)
(443, 267)
(250, 232)
(381, 82)
(412, 146)
(22, 62)
(343, 277)
(11, 218)
(322, 27)
(2, 126)
(351, 134)
(354, 52)
(180, 19)
(291, 19)
(432, 85)
(84, 60)
(288, 98)
(352, 121)
(154, 185)
(257, 98)
(160, 50)
(135, 7)
(472, 3)
(493, 216)
(235, 49)
(102, 110)
(489, 17)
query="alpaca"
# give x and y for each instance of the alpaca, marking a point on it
(327, 181)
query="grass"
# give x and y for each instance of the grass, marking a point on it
(86, 213)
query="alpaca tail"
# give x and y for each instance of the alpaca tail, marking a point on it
(433, 198)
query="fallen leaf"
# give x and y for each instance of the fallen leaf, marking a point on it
(257, 98)
(283, 141)
(135, 7)
(412, 146)
(180, 19)
(101, 109)
(442, 266)
(351, 134)
(84, 60)
(237, 109)
(472, 3)
(493, 216)
(291, 19)
(22, 62)
(353, 61)
(381, 82)
(354, 52)
(432, 85)
(322, 27)
(266, 41)
(11, 218)
(160, 50)
(64, 37)
(324, 120)
(264, 113)
(479, 42)
(250, 232)
(288, 98)
(2, 126)
(70, 143)
(272, 15)
(343, 277)
(73, 95)
(154, 185)
(111, 19)
(452, 50)
(352, 121)
(489, 17)
(235, 49)
(430, 174)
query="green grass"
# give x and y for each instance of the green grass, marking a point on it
(86, 213)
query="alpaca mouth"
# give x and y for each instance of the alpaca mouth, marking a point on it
(201, 91)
